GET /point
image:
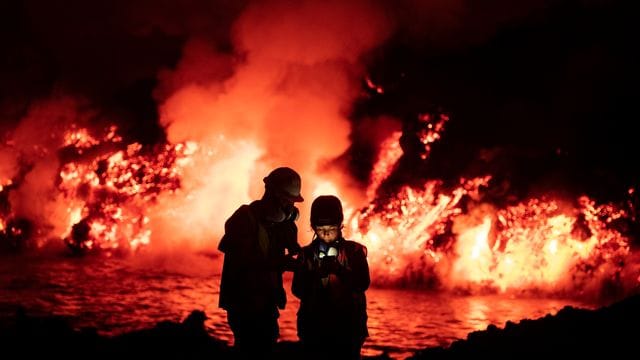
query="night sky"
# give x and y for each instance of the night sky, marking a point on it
(540, 92)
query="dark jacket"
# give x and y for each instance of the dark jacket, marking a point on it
(332, 301)
(254, 260)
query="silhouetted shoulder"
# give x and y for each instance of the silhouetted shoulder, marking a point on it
(238, 225)
(354, 247)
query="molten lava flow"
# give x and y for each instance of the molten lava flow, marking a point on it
(105, 195)
(427, 237)
(540, 245)
(121, 197)
(430, 130)
(423, 236)
(403, 235)
(110, 193)
(434, 236)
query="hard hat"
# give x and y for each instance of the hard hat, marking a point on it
(326, 210)
(285, 182)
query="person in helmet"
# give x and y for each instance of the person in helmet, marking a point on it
(259, 244)
(331, 282)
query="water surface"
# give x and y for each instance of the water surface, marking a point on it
(119, 295)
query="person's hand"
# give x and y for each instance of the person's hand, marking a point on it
(290, 262)
(330, 264)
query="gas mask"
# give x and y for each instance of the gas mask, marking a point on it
(278, 214)
(326, 250)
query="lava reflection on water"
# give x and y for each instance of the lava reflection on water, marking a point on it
(116, 295)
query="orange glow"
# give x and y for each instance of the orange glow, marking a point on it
(325, 188)
(282, 100)
(431, 131)
(417, 235)
(533, 246)
(371, 85)
(424, 235)
(79, 138)
(110, 194)
(3, 224)
(127, 197)
(405, 229)
(389, 154)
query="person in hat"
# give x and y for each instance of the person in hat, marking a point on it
(331, 282)
(260, 243)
